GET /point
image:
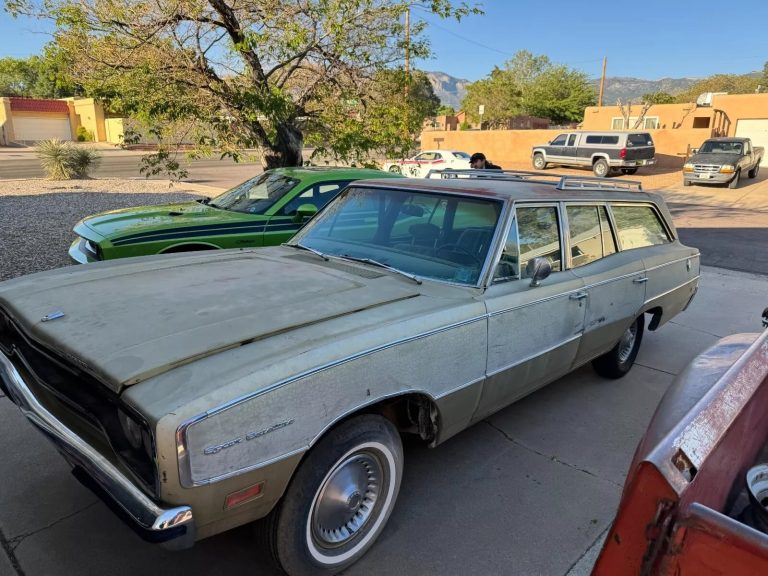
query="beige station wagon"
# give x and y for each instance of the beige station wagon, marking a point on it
(202, 391)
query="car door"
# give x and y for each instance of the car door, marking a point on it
(569, 150)
(556, 148)
(533, 332)
(614, 281)
(284, 223)
(671, 270)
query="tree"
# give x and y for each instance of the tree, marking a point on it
(37, 76)
(658, 98)
(17, 77)
(731, 83)
(245, 74)
(444, 110)
(530, 85)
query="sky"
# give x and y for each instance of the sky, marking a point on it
(652, 39)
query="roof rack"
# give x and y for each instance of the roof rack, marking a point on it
(587, 183)
(561, 181)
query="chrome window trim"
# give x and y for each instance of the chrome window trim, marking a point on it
(659, 266)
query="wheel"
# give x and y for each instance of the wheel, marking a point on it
(538, 162)
(600, 168)
(340, 498)
(395, 169)
(687, 182)
(753, 173)
(629, 171)
(619, 360)
(734, 183)
(458, 254)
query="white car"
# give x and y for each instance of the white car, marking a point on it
(420, 165)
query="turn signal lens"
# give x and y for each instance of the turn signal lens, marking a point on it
(687, 167)
(623, 153)
(727, 169)
(243, 496)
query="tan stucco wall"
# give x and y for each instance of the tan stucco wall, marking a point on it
(6, 126)
(90, 115)
(734, 106)
(514, 146)
(113, 130)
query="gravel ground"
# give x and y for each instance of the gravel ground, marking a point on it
(37, 216)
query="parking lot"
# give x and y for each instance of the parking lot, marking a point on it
(528, 491)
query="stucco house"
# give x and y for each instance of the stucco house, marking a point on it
(29, 120)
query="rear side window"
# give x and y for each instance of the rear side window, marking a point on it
(639, 140)
(590, 234)
(639, 226)
(594, 139)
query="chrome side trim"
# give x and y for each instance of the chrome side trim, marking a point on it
(658, 266)
(138, 506)
(460, 387)
(182, 430)
(694, 279)
(532, 356)
(547, 299)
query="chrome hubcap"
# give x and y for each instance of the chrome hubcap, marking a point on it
(627, 342)
(347, 500)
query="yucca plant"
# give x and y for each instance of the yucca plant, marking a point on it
(55, 156)
(65, 161)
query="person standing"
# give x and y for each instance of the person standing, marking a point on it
(478, 161)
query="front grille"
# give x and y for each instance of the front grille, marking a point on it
(706, 168)
(78, 392)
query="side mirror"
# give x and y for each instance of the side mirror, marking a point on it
(694, 150)
(538, 269)
(305, 212)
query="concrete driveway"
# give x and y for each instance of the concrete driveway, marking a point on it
(529, 491)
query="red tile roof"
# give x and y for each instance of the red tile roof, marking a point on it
(38, 105)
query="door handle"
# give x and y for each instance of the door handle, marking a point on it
(578, 296)
(642, 280)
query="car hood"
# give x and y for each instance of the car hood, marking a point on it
(128, 221)
(127, 320)
(714, 158)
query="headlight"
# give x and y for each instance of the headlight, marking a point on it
(131, 429)
(727, 169)
(687, 167)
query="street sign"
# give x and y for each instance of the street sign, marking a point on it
(481, 109)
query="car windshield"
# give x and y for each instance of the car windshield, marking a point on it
(438, 236)
(257, 195)
(712, 147)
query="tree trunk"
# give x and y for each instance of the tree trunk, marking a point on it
(287, 150)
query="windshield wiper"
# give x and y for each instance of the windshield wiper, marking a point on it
(373, 262)
(308, 249)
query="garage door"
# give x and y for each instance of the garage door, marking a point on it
(757, 130)
(36, 129)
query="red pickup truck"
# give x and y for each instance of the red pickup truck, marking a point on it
(694, 502)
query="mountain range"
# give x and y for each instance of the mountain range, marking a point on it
(451, 91)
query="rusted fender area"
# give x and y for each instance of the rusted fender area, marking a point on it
(707, 431)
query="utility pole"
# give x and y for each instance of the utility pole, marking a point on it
(602, 82)
(407, 42)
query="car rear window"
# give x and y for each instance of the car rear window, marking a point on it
(639, 140)
(594, 139)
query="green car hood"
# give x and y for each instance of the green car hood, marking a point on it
(127, 320)
(129, 221)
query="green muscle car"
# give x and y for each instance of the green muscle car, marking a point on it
(263, 211)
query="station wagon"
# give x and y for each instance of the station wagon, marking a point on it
(205, 390)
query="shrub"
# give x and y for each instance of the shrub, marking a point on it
(64, 161)
(84, 135)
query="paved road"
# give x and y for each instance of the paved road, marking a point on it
(212, 172)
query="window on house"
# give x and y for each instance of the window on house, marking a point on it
(701, 121)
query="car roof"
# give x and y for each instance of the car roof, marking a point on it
(727, 139)
(532, 189)
(332, 171)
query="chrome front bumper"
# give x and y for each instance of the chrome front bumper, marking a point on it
(173, 527)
